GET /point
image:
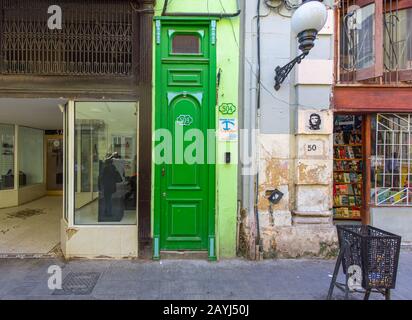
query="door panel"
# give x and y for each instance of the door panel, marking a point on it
(185, 184)
(185, 114)
(185, 78)
(186, 111)
(184, 220)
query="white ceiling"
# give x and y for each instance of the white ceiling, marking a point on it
(36, 113)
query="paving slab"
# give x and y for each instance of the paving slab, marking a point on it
(288, 279)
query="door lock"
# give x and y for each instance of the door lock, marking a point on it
(163, 172)
(164, 194)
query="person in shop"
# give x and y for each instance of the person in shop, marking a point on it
(108, 179)
(132, 183)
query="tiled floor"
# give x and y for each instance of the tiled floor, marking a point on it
(31, 228)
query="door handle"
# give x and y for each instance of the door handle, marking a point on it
(163, 172)
(164, 194)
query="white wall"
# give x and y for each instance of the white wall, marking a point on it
(396, 220)
(31, 154)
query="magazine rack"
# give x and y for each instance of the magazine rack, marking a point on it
(372, 252)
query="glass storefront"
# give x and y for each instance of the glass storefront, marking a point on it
(31, 156)
(6, 156)
(390, 181)
(105, 163)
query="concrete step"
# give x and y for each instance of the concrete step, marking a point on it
(196, 255)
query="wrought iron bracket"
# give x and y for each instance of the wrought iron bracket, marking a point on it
(282, 72)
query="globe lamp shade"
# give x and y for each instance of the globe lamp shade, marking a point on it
(311, 15)
(307, 21)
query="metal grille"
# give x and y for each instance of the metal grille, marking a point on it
(357, 49)
(96, 38)
(358, 39)
(397, 49)
(393, 160)
(78, 283)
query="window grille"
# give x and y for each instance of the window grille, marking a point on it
(357, 50)
(392, 162)
(96, 38)
(375, 41)
(397, 42)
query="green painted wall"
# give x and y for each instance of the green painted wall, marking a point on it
(228, 63)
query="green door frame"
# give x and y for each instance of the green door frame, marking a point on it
(181, 21)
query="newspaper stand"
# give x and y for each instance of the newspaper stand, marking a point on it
(369, 258)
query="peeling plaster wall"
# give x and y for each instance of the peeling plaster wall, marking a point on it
(293, 156)
(299, 241)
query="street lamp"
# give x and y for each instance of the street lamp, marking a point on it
(307, 21)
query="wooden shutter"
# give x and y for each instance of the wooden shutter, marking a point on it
(376, 70)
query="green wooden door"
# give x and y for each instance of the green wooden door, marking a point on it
(185, 107)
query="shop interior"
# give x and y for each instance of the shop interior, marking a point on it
(105, 169)
(105, 163)
(348, 165)
(31, 202)
(372, 165)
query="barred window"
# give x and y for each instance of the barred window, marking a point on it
(375, 43)
(392, 160)
(398, 38)
(357, 37)
(96, 38)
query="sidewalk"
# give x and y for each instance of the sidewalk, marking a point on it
(188, 279)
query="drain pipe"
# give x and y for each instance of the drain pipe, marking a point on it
(258, 240)
(197, 14)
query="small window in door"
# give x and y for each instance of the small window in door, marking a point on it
(186, 44)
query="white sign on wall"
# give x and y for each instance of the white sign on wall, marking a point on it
(314, 148)
(228, 129)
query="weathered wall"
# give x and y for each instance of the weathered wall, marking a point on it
(291, 156)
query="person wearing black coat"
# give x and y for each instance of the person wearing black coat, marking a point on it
(109, 178)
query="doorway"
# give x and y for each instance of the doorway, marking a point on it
(185, 106)
(349, 196)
